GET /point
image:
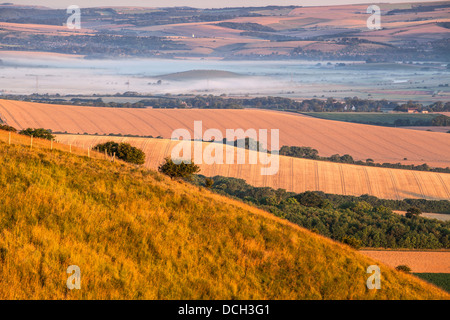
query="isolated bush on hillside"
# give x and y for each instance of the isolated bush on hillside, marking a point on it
(123, 151)
(38, 133)
(110, 147)
(5, 127)
(403, 268)
(178, 170)
(131, 154)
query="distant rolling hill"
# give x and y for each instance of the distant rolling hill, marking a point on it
(381, 144)
(300, 175)
(199, 75)
(136, 234)
(409, 32)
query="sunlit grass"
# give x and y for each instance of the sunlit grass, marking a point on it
(136, 234)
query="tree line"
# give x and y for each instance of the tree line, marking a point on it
(310, 153)
(364, 221)
(348, 104)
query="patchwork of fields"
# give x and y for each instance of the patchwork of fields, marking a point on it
(135, 233)
(298, 175)
(381, 144)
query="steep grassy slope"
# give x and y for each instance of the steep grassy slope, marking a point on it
(328, 137)
(300, 175)
(137, 234)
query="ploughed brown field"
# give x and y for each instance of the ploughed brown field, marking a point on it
(418, 261)
(381, 144)
(297, 175)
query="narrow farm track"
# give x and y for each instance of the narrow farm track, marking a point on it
(329, 137)
(311, 175)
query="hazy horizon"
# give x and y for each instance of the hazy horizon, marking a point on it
(198, 3)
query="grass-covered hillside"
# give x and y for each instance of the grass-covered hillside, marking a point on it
(136, 234)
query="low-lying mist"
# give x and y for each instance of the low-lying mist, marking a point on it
(26, 73)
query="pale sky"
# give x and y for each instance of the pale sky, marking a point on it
(194, 3)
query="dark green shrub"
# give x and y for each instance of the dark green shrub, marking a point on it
(5, 127)
(413, 212)
(123, 151)
(174, 170)
(110, 147)
(403, 268)
(441, 121)
(310, 199)
(38, 133)
(128, 153)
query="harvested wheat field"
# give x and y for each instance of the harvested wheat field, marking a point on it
(418, 261)
(297, 175)
(381, 144)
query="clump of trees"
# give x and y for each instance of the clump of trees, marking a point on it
(413, 212)
(310, 153)
(5, 127)
(178, 170)
(310, 199)
(441, 121)
(403, 268)
(38, 133)
(123, 151)
(299, 152)
(364, 221)
(438, 106)
(349, 104)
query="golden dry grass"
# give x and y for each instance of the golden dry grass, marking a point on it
(136, 234)
(381, 144)
(300, 175)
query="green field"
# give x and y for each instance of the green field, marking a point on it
(380, 119)
(441, 280)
